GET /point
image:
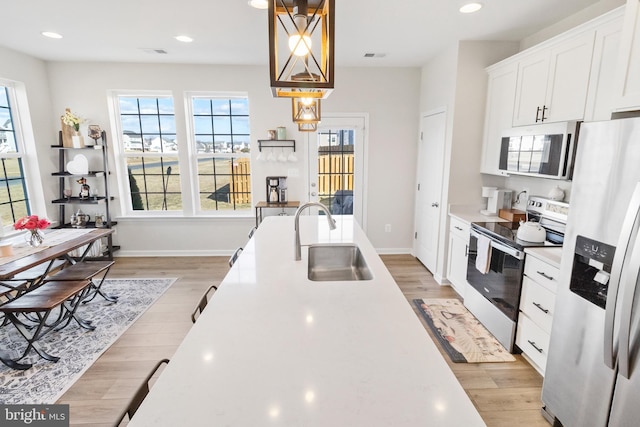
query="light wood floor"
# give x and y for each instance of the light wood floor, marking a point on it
(506, 394)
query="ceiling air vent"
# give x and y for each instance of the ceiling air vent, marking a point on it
(154, 51)
(375, 55)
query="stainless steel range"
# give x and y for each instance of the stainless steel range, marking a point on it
(496, 264)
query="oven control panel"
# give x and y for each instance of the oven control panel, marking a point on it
(548, 208)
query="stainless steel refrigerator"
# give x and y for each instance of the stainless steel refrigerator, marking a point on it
(592, 376)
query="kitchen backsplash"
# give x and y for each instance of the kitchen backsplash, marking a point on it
(535, 187)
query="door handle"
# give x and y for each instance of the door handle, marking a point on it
(435, 204)
(622, 249)
(629, 281)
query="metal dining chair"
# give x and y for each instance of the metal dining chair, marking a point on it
(203, 303)
(235, 256)
(140, 395)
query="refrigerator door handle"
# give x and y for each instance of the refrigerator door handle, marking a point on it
(622, 248)
(629, 280)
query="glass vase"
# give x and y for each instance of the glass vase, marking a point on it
(34, 238)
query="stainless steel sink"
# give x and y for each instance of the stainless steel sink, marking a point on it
(337, 262)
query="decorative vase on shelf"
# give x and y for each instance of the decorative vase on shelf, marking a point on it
(34, 238)
(77, 140)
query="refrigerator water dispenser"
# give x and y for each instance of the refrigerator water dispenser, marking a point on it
(592, 262)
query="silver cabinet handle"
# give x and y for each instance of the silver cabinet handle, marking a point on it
(533, 344)
(546, 276)
(313, 193)
(435, 204)
(542, 309)
(457, 228)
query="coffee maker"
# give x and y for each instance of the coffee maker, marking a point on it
(276, 189)
(496, 199)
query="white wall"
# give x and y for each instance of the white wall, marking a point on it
(585, 15)
(388, 95)
(33, 92)
(456, 80)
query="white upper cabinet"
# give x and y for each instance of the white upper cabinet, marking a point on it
(501, 93)
(628, 80)
(601, 98)
(569, 77)
(533, 72)
(552, 83)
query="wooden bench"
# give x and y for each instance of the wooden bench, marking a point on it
(23, 282)
(87, 270)
(39, 303)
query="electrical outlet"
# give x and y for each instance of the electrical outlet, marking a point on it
(387, 228)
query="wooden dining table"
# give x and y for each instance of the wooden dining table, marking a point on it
(58, 244)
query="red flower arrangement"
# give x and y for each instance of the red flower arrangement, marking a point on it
(31, 223)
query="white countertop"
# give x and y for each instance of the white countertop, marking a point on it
(274, 348)
(551, 255)
(471, 214)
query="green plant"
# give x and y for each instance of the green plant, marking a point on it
(136, 200)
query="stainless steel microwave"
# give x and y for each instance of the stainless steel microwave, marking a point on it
(544, 150)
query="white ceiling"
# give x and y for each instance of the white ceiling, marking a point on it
(409, 32)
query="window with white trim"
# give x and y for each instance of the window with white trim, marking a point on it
(150, 151)
(221, 137)
(14, 198)
(206, 171)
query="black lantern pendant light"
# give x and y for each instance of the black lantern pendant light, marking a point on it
(301, 47)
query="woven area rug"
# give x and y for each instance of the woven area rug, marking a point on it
(461, 335)
(77, 348)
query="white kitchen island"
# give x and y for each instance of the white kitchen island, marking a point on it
(274, 348)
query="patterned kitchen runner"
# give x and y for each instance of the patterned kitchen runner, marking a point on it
(459, 333)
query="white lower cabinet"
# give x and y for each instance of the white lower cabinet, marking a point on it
(458, 254)
(537, 304)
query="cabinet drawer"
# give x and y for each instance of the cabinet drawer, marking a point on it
(533, 341)
(537, 303)
(459, 228)
(545, 274)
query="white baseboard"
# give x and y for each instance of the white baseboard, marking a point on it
(224, 252)
(130, 253)
(393, 251)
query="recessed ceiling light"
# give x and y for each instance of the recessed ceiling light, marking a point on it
(471, 7)
(259, 4)
(185, 39)
(51, 35)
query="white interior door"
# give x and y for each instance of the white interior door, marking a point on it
(337, 166)
(429, 189)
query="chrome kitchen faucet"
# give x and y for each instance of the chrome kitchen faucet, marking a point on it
(330, 220)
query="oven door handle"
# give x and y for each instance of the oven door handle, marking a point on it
(499, 246)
